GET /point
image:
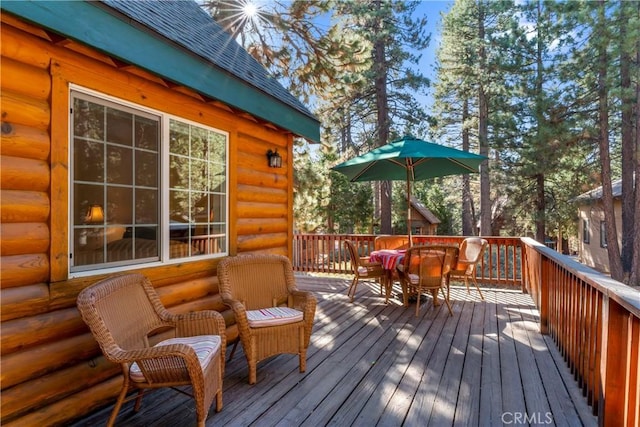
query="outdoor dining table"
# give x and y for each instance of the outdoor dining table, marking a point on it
(390, 259)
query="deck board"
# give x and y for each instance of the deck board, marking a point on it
(376, 364)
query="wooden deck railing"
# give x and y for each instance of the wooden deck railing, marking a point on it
(325, 253)
(595, 322)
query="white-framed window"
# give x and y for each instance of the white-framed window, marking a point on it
(585, 231)
(145, 186)
(603, 234)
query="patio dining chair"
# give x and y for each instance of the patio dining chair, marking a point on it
(272, 315)
(427, 268)
(124, 312)
(362, 268)
(471, 252)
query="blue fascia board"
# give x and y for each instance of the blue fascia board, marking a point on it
(94, 26)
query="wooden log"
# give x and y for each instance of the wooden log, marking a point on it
(17, 173)
(246, 226)
(207, 303)
(78, 404)
(261, 210)
(23, 301)
(30, 395)
(25, 79)
(21, 47)
(24, 238)
(83, 49)
(20, 334)
(24, 110)
(138, 90)
(232, 334)
(266, 136)
(59, 252)
(259, 162)
(257, 146)
(35, 362)
(21, 270)
(64, 293)
(229, 317)
(264, 241)
(188, 291)
(279, 250)
(274, 178)
(24, 141)
(250, 193)
(24, 206)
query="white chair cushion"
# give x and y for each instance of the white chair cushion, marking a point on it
(414, 278)
(362, 271)
(205, 346)
(273, 316)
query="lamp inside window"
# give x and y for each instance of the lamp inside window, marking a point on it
(275, 161)
(95, 215)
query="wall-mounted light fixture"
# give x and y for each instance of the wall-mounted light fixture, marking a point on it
(95, 215)
(275, 161)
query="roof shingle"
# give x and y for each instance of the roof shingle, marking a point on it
(185, 23)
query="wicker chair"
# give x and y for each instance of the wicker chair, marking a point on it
(272, 315)
(363, 269)
(471, 252)
(122, 313)
(426, 268)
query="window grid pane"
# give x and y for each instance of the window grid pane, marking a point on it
(106, 215)
(116, 193)
(197, 197)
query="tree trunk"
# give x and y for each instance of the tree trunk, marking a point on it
(468, 218)
(541, 203)
(540, 209)
(628, 147)
(615, 264)
(483, 130)
(382, 107)
(634, 278)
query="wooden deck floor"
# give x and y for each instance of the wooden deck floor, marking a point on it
(376, 364)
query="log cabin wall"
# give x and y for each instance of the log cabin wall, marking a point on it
(52, 370)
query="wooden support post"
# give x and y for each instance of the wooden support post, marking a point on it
(613, 369)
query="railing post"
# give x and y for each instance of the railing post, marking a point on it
(613, 369)
(542, 294)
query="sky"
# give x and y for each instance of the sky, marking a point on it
(432, 9)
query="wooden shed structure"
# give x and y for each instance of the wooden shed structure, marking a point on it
(134, 137)
(423, 221)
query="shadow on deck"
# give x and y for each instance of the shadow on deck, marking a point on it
(376, 364)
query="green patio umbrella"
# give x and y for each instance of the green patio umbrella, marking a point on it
(409, 159)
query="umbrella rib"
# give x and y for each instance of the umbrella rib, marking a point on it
(407, 165)
(469, 168)
(362, 172)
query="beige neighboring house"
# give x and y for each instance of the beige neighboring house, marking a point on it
(592, 238)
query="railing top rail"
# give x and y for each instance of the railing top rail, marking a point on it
(626, 296)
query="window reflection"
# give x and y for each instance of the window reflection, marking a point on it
(105, 161)
(117, 166)
(197, 179)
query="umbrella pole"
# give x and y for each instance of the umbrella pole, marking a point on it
(409, 207)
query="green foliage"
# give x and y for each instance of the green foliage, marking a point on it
(350, 209)
(533, 60)
(311, 189)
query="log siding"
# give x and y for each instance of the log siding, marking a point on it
(50, 363)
